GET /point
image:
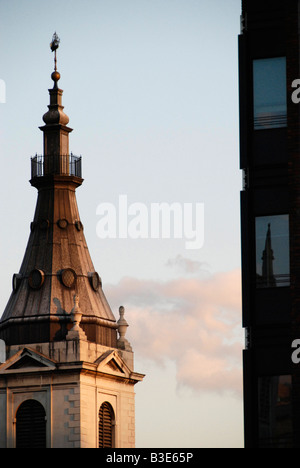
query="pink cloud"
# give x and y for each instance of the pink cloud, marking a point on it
(194, 322)
(186, 265)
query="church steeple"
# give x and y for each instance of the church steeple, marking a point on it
(64, 363)
(268, 278)
(57, 264)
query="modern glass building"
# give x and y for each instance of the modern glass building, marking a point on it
(269, 64)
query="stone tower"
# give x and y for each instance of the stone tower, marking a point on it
(66, 369)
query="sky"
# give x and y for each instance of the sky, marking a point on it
(151, 90)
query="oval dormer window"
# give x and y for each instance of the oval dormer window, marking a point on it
(68, 278)
(36, 279)
(17, 278)
(62, 223)
(95, 281)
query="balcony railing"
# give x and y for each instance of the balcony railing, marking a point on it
(65, 164)
(276, 281)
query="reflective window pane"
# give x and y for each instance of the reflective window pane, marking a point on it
(275, 412)
(272, 251)
(270, 93)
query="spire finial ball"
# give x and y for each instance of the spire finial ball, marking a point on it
(55, 76)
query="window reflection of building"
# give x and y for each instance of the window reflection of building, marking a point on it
(267, 279)
(275, 411)
(272, 251)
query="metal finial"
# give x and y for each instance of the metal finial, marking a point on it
(54, 46)
(55, 42)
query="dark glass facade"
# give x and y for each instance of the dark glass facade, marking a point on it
(269, 64)
(275, 412)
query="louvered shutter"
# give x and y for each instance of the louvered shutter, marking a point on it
(106, 426)
(31, 425)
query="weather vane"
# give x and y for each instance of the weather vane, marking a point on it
(54, 46)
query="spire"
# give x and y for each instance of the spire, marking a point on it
(57, 263)
(268, 258)
(56, 132)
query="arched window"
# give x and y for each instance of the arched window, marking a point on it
(31, 425)
(106, 426)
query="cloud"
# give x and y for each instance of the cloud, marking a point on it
(186, 265)
(194, 322)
